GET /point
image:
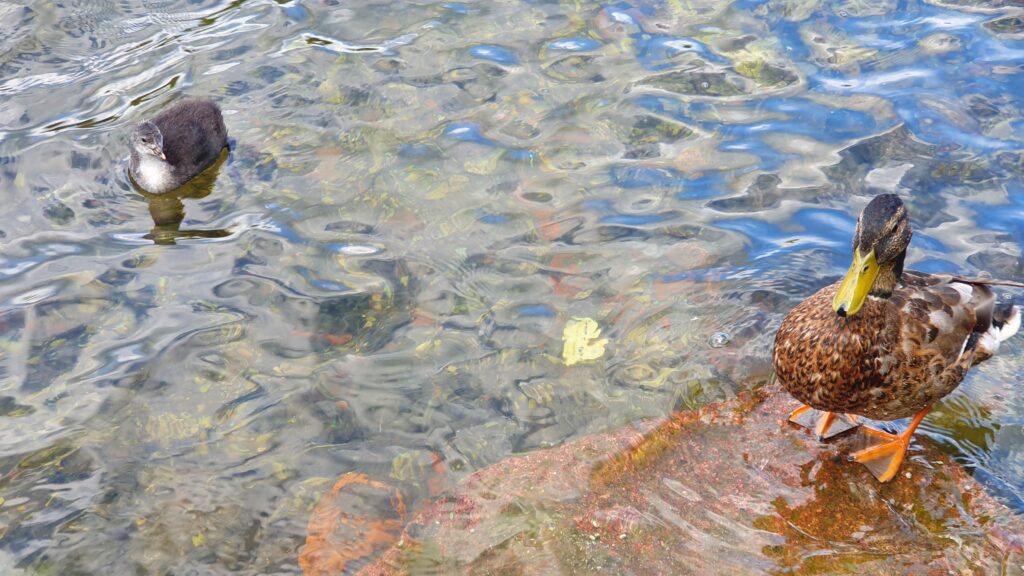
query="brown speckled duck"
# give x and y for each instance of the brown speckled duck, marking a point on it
(886, 343)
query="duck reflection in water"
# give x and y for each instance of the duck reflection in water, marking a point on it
(168, 209)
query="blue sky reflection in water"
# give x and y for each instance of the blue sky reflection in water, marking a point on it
(419, 196)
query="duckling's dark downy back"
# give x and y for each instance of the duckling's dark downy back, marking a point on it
(194, 134)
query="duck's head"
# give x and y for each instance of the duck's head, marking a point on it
(147, 139)
(879, 248)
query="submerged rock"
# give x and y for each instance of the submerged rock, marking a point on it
(731, 488)
(343, 529)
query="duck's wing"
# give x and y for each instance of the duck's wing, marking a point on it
(982, 281)
(946, 318)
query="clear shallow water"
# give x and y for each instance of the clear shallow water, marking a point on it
(418, 198)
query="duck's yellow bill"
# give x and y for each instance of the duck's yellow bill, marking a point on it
(857, 284)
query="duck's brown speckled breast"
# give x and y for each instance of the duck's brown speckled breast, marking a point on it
(878, 364)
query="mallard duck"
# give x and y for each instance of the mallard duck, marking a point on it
(177, 145)
(886, 343)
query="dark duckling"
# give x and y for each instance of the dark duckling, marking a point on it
(177, 145)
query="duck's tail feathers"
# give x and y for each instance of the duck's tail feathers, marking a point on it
(1006, 320)
(1003, 323)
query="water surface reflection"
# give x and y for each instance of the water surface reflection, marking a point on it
(418, 199)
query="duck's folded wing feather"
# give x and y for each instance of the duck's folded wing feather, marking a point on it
(945, 318)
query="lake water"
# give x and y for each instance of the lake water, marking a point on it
(419, 198)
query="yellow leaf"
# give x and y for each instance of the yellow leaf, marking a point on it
(581, 341)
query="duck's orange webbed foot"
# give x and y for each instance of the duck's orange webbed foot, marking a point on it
(884, 459)
(824, 424)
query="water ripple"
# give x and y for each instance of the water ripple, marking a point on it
(417, 198)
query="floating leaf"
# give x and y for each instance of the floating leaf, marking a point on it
(581, 341)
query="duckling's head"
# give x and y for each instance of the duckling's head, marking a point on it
(147, 139)
(879, 249)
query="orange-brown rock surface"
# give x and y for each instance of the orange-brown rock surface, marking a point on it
(730, 489)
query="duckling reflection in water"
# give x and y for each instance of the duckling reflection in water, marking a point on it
(177, 145)
(168, 210)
